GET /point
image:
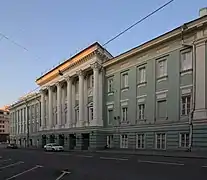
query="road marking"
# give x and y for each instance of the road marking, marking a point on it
(10, 165)
(84, 156)
(111, 158)
(63, 174)
(5, 160)
(204, 166)
(159, 162)
(37, 166)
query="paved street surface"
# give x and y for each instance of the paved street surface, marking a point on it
(22, 164)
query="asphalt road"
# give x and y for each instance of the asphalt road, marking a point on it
(39, 165)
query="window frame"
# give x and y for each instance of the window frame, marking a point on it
(141, 111)
(160, 141)
(110, 82)
(186, 144)
(124, 114)
(186, 103)
(182, 53)
(142, 76)
(140, 137)
(125, 80)
(124, 141)
(158, 68)
(158, 109)
(110, 108)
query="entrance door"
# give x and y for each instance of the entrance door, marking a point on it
(110, 141)
(72, 141)
(61, 139)
(52, 138)
(85, 141)
(44, 141)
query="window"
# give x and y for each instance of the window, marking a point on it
(124, 141)
(184, 140)
(141, 111)
(161, 141)
(125, 82)
(185, 105)
(90, 113)
(162, 109)
(162, 68)
(110, 85)
(186, 60)
(124, 114)
(110, 116)
(142, 75)
(140, 141)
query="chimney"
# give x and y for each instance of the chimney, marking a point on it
(203, 12)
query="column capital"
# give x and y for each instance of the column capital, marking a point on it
(96, 66)
(68, 78)
(80, 72)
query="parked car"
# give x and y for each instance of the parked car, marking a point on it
(53, 147)
(12, 146)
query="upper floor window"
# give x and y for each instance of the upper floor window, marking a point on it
(141, 110)
(162, 68)
(90, 113)
(186, 60)
(185, 106)
(125, 81)
(124, 114)
(142, 74)
(162, 109)
(110, 85)
(110, 115)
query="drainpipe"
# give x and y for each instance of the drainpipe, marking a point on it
(193, 47)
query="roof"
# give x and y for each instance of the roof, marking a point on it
(94, 44)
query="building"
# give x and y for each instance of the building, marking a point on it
(4, 124)
(150, 97)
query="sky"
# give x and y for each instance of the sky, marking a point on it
(52, 31)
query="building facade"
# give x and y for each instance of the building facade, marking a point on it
(150, 97)
(4, 124)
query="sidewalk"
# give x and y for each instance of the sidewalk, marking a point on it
(178, 154)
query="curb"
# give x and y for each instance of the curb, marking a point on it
(154, 154)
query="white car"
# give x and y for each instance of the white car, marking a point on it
(53, 147)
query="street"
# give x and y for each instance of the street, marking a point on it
(22, 164)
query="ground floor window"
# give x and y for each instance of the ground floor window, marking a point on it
(110, 141)
(160, 141)
(124, 141)
(184, 140)
(140, 141)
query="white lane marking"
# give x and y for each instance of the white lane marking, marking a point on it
(63, 174)
(10, 165)
(204, 166)
(111, 158)
(5, 160)
(84, 156)
(37, 166)
(159, 162)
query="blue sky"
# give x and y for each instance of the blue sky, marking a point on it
(54, 30)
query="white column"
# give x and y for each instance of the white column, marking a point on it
(86, 100)
(63, 106)
(200, 96)
(50, 107)
(96, 68)
(69, 102)
(73, 99)
(59, 104)
(100, 97)
(81, 98)
(42, 109)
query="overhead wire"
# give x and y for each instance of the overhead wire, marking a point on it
(107, 42)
